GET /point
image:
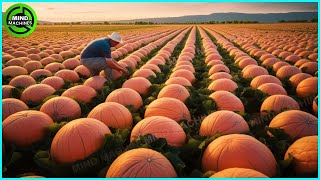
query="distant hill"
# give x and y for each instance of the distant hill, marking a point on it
(270, 17)
(264, 18)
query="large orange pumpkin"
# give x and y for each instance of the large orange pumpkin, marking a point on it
(36, 93)
(32, 65)
(185, 74)
(61, 108)
(277, 103)
(141, 162)
(227, 101)
(151, 67)
(223, 85)
(77, 140)
(112, 114)
(272, 89)
(218, 68)
(139, 84)
(96, 82)
(144, 73)
(241, 151)
(168, 107)
(223, 122)
(54, 67)
(178, 80)
(297, 78)
(22, 81)
(55, 82)
(308, 87)
(40, 72)
(309, 67)
(315, 105)
(287, 71)
(220, 75)
(68, 75)
(238, 173)
(296, 123)
(259, 80)
(160, 127)
(174, 91)
(6, 91)
(11, 106)
(14, 71)
(305, 155)
(254, 71)
(25, 127)
(126, 97)
(80, 93)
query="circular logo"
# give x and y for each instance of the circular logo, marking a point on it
(20, 20)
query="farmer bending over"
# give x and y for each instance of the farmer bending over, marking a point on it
(97, 56)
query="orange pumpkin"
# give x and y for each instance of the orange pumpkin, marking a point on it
(14, 71)
(151, 67)
(218, 68)
(305, 155)
(160, 127)
(25, 127)
(6, 91)
(178, 80)
(168, 107)
(96, 82)
(40, 72)
(185, 74)
(82, 70)
(308, 87)
(68, 75)
(55, 82)
(61, 108)
(215, 62)
(272, 89)
(141, 162)
(80, 93)
(241, 151)
(77, 140)
(297, 78)
(238, 173)
(296, 124)
(139, 84)
(300, 62)
(126, 97)
(186, 67)
(223, 122)
(220, 75)
(309, 67)
(223, 85)
(71, 63)
(54, 67)
(144, 73)
(47, 60)
(174, 91)
(287, 71)
(112, 114)
(263, 79)
(22, 81)
(11, 106)
(227, 101)
(36, 93)
(315, 105)
(277, 103)
(254, 71)
(32, 65)
(279, 65)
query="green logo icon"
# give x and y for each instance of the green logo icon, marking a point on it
(20, 20)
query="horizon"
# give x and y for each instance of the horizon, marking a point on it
(69, 12)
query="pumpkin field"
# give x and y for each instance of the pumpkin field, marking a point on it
(218, 100)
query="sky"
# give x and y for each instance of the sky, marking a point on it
(68, 12)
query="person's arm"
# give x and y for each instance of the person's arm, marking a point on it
(114, 65)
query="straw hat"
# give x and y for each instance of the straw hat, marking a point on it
(116, 37)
